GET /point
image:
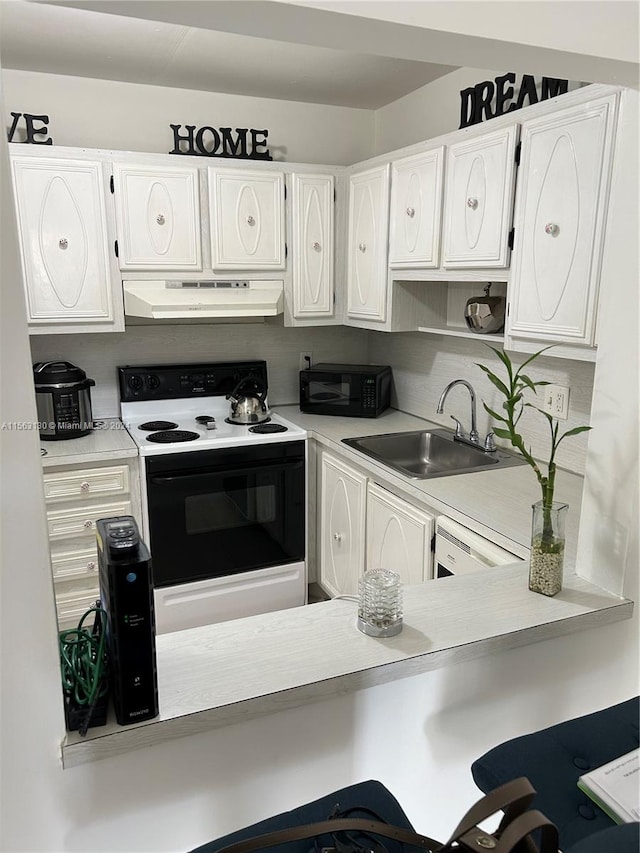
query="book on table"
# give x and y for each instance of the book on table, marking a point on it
(615, 787)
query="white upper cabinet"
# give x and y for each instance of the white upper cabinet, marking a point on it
(247, 219)
(312, 214)
(398, 536)
(416, 209)
(561, 206)
(367, 251)
(479, 200)
(70, 278)
(158, 217)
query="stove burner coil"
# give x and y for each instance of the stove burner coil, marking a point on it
(170, 436)
(265, 429)
(204, 419)
(154, 426)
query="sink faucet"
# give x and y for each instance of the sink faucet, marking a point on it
(472, 438)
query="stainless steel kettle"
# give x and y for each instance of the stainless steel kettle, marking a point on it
(249, 407)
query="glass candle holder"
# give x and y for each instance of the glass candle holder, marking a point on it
(380, 604)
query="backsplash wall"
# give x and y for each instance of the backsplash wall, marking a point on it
(423, 364)
(100, 354)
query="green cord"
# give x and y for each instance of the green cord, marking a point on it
(83, 660)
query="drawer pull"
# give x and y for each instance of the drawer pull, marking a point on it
(472, 203)
(411, 212)
(88, 524)
(91, 566)
(85, 486)
(337, 537)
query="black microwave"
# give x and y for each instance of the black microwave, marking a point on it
(350, 390)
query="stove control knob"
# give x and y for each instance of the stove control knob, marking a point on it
(153, 382)
(135, 382)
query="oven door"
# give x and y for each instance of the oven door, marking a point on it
(216, 513)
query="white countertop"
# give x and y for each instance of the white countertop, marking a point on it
(493, 503)
(235, 671)
(108, 440)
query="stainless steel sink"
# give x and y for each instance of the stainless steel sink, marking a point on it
(430, 453)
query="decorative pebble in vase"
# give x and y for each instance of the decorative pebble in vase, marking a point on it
(547, 547)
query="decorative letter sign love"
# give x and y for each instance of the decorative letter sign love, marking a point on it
(31, 130)
(476, 101)
(209, 142)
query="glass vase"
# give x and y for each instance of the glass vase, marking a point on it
(547, 547)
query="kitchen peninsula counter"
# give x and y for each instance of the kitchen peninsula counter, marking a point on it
(236, 671)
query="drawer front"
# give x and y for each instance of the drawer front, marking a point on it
(87, 483)
(82, 522)
(75, 564)
(71, 608)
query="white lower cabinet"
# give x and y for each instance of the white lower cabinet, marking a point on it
(75, 498)
(398, 536)
(342, 505)
(362, 525)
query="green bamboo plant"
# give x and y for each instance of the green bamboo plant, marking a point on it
(512, 389)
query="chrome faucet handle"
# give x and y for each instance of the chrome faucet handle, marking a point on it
(459, 427)
(489, 442)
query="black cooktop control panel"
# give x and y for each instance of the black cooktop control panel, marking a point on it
(174, 381)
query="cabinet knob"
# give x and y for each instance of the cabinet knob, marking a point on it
(160, 219)
(250, 220)
(91, 566)
(337, 537)
(88, 524)
(472, 203)
(551, 228)
(63, 243)
(317, 246)
(362, 247)
(85, 486)
(411, 212)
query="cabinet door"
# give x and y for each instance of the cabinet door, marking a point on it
(247, 219)
(368, 233)
(158, 218)
(64, 243)
(559, 226)
(398, 536)
(312, 214)
(342, 523)
(479, 200)
(416, 209)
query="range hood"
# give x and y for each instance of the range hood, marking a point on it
(203, 300)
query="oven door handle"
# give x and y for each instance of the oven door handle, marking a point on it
(160, 479)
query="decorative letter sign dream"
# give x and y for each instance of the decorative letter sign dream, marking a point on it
(476, 101)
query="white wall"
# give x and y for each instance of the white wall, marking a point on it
(100, 355)
(134, 117)
(423, 364)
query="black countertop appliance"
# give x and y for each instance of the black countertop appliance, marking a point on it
(63, 400)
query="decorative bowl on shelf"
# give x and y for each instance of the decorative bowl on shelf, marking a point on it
(485, 314)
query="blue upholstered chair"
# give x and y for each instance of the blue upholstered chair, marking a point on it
(553, 759)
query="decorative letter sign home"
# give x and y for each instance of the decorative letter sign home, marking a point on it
(476, 101)
(31, 130)
(242, 143)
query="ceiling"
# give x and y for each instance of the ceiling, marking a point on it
(85, 43)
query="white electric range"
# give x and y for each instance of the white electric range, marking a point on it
(224, 504)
